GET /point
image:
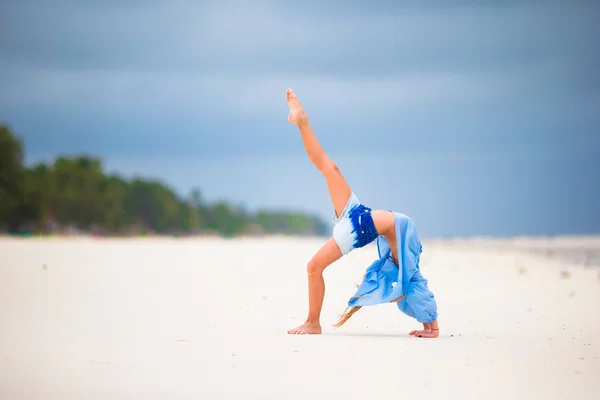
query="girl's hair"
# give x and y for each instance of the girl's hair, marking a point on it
(346, 315)
(349, 311)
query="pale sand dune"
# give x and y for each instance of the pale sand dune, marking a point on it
(206, 319)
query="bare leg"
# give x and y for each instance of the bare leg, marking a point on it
(338, 187)
(339, 190)
(328, 254)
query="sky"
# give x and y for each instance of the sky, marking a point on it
(475, 118)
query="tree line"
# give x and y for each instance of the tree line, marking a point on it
(75, 195)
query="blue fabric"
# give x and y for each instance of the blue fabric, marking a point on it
(385, 281)
(363, 226)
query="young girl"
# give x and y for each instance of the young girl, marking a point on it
(394, 277)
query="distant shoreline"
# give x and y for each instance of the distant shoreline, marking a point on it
(577, 250)
(474, 238)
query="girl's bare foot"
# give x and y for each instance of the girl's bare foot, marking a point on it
(429, 331)
(432, 333)
(297, 115)
(306, 329)
(426, 327)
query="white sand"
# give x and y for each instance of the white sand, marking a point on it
(104, 320)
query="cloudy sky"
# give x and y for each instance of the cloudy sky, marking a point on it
(474, 117)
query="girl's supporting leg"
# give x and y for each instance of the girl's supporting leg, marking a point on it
(328, 254)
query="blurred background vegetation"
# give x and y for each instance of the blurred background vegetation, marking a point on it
(73, 195)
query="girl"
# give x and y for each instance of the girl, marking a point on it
(394, 277)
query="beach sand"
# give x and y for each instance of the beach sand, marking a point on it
(206, 318)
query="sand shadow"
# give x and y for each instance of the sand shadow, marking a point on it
(381, 335)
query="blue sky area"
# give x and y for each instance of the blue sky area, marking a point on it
(473, 117)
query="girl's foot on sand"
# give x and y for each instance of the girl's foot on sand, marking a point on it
(297, 114)
(425, 333)
(306, 329)
(429, 331)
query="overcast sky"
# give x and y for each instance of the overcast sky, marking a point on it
(474, 117)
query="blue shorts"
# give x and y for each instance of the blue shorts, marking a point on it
(354, 228)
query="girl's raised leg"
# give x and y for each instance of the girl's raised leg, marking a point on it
(339, 190)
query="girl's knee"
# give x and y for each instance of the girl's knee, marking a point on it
(314, 267)
(329, 168)
(328, 165)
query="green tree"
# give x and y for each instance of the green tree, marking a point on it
(76, 192)
(12, 179)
